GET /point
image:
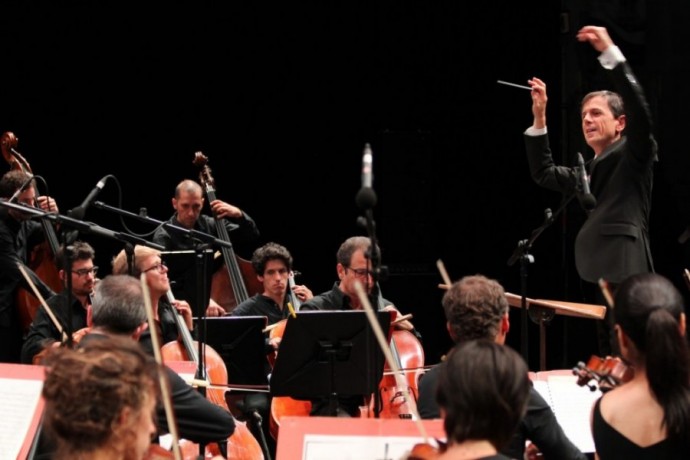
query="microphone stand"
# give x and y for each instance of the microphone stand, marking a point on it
(202, 243)
(195, 234)
(366, 199)
(538, 315)
(86, 227)
(67, 263)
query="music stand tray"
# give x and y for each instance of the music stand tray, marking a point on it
(239, 340)
(328, 353)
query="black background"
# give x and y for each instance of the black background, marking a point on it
(282, 98)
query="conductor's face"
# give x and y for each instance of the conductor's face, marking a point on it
(188, 207)
(599, 126)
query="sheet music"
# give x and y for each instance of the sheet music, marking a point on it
(572, 405)
(18, 400)
(328, 447)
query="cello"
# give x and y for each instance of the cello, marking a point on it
(42, 258)
(242, 444)
(408, 356)
(229, 287)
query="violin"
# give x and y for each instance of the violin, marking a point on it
(42, 257)
(607, 372)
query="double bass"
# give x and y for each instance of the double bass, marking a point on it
(234, 284)
(42, 258)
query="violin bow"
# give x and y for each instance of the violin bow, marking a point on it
(45, 306)
(604, 286)
(444, 274)
(389, 357)
(165, 389)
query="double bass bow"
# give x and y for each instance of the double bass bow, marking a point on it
(239, 272)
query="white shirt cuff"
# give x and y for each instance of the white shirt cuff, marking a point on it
(611, 57)
(532, 131)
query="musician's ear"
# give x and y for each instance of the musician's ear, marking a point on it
(450, 331)
(139, 330)
(341, 270)
(622, 340)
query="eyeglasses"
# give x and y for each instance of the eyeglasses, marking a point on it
(160, 267)
(360, 272)
(86, 271)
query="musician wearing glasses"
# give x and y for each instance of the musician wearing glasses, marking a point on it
(148, 260)
(352, 265)
(71, 317)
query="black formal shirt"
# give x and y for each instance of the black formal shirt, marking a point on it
(166, 324)
(17, 240)
(260, 305)
(243, 233)
(334, 300)
(198, 419)
(539, 425)
(43, 331)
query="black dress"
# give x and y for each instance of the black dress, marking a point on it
(611, 445)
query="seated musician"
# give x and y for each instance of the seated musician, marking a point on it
(112, 416)
(483, 390)
(353, 264)
(118, 310)
(647, 417)
(148, 260)
(188, 203)
(19, 235)
(272, 264)
(476, 308)
(43, 332)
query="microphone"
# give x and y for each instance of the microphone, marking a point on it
(367, 170)
(586, 199)
(366, 197)
(78, 212)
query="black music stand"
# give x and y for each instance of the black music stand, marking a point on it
(329, 353)
(182, 273)
(240, 341)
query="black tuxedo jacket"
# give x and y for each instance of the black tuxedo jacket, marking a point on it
(613, 243)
